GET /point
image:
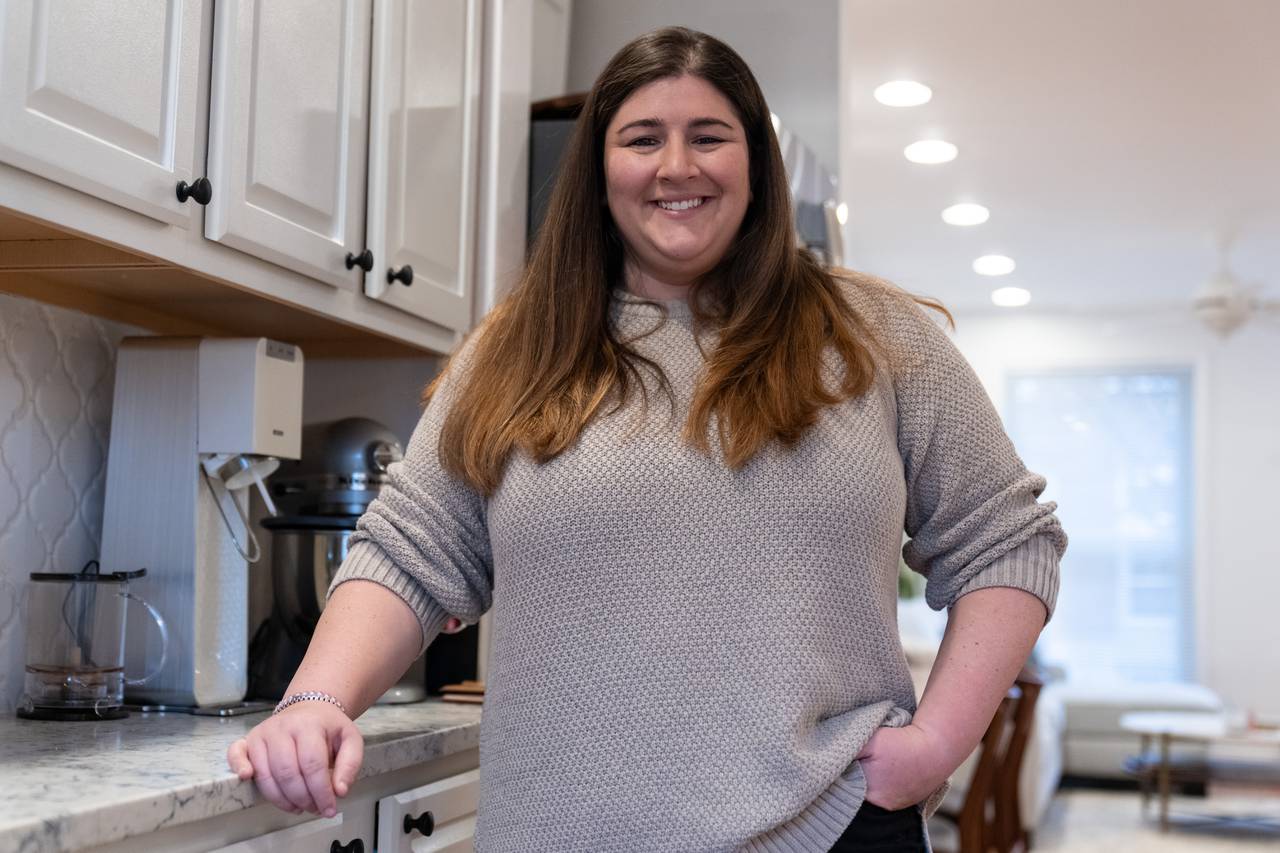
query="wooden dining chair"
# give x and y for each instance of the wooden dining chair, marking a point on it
(990, 816)
(976, 821)
(1010, 835)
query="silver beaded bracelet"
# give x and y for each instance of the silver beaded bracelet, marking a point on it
(308, 695)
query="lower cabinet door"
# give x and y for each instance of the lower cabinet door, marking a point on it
(434, 818)
(348, 831)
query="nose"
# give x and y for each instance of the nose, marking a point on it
(677, 162)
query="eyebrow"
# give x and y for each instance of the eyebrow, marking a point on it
(704, 121)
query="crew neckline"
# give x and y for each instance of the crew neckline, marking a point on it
(632, 303)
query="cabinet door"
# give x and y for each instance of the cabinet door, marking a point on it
(447, 808)
(423, 140)
(288, 128)
(321, 834)
(101, 96)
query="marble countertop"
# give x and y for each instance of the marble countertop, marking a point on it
(64, 786)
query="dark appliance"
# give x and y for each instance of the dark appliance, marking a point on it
(321, 497)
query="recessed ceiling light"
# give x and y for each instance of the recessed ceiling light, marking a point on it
(965, 214)
(903, 93)
(993, 265)
(930, 151)
(1010, 297)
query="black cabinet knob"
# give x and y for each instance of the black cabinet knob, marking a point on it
(404, 274)
(356, 846)
(364, 260)
(424, 823)
(200, 191)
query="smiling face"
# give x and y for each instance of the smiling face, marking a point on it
(677, 181)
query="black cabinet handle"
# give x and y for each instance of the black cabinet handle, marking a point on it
(424, 823)
(405, 274)
(364, 260)
(356, 846)
(200, 191)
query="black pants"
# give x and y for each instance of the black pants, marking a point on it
(877, 830)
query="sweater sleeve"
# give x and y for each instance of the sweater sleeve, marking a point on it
(972, 514)
(425, 537)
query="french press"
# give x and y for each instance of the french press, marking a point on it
(75, 645)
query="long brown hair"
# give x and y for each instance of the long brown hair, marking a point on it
(548, 360)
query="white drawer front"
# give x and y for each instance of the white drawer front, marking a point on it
(451, 804)
(316, 836)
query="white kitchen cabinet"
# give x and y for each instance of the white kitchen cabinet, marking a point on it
(288, 129)
(102, 96)
(438, 817)
(349, 831)
(435, 818)
(424, 150)
(551, 21)
(450, 780)
(107, 107)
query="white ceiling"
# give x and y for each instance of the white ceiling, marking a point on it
(1116, 142)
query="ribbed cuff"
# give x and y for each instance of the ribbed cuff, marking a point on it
(934, 800)
(1032, 566)
(366, 561)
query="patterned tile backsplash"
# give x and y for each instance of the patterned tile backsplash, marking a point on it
(57, 370)
(57, 374)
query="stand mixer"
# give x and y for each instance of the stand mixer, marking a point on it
(343, 466)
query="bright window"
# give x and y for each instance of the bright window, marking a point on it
(1116, 449)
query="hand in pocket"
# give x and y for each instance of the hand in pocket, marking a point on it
(902, 767)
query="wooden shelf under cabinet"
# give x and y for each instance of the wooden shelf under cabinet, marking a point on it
(59, 268)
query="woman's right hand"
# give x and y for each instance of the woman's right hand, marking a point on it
(290, 754)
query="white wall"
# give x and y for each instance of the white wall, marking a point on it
(386, 390)
(1236, 587)
(791, 48)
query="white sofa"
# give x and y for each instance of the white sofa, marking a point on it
(1095, 746)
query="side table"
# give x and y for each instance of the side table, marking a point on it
(1167, 726)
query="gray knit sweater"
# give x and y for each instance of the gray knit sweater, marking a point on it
(686, 657)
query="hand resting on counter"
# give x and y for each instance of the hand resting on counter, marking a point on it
(307, 756)
(302, 758)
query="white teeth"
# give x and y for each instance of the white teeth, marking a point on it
(679, 205)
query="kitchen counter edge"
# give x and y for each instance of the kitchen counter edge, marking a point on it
(69, 786)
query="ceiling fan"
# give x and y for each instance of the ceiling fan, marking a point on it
(1225, 303)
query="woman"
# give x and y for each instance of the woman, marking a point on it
(678, 461)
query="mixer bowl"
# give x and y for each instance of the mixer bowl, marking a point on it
(306, 552)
